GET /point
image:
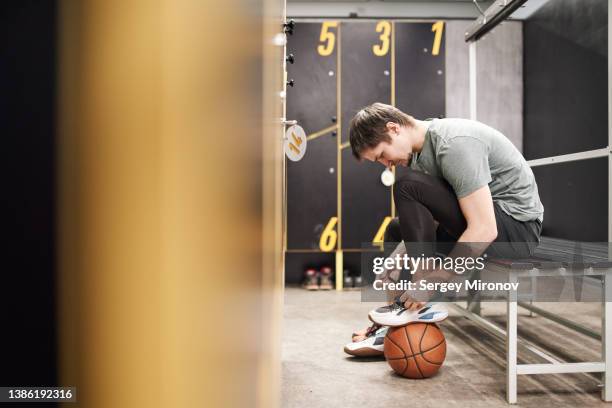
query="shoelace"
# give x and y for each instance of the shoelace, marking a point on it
(397, 305)
(372, 329)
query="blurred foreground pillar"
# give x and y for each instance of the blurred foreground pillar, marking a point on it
(170, 212)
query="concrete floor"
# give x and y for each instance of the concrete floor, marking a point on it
(317, 373)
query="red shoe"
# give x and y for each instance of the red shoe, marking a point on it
(310, 280)
(326, 281)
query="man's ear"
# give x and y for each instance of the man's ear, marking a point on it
(392, 128)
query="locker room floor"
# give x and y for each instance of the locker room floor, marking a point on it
(316, 371)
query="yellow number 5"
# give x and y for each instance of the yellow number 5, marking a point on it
(328, 38)
(438, 28)
(382, 49)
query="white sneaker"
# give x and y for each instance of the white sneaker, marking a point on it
(396, 314)
(372, 346)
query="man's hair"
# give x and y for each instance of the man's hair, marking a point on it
(368, 127)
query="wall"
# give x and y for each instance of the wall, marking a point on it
(329, 89)
(566, 111)
(27, 171)
(499, 72)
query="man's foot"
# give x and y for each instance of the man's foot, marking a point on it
(396, 314)
(363, 334)
(371, 346)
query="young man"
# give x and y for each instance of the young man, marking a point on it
(470, 185)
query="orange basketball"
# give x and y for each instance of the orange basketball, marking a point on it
(416, 350)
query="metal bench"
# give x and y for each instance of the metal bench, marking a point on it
(554, 257)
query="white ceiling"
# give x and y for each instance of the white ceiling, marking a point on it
(398, 8)
(389, 1)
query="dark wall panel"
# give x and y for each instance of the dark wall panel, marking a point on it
(566, 111)
(420, 83)
(312, 101)
(365, 201)
(352, 263)
(311, 182)
(296, 264)
(575, 202)
(27, 126)
(566, 102)
(365, 79)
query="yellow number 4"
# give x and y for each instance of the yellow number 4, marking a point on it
(329, 236)
(379, 238)
(298, 142)
(328, 38)
(383, 27)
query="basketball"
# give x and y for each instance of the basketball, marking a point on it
(416, 350)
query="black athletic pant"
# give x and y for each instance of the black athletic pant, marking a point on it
(421, 199)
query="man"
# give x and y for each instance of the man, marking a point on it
(470, 185)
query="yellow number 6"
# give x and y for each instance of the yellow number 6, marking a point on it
(382, 49)
(329, 236)
(328, 38)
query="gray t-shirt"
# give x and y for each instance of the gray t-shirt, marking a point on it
(470, 155)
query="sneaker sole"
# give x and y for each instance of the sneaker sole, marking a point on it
(364, 352)
(442, 316)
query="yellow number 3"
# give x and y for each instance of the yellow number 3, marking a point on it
(383, 27)
(328, 38)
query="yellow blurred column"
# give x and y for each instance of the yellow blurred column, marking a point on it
(170, 211)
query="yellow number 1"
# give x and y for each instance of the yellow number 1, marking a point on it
(438, 28)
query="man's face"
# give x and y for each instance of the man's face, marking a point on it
(397, 152)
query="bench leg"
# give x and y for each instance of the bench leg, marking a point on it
(474, 296)
(534, 291)
(511, 346)
(606, 339)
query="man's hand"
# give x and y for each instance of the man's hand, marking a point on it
(414, 306)
(389, 275)
(436, 275)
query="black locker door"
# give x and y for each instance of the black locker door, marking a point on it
(366, 78)
(311, 182)
(419, 70)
